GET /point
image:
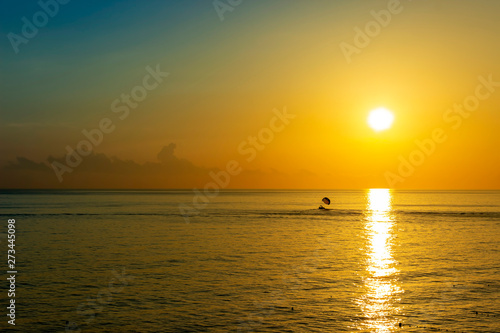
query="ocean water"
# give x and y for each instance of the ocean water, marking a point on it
(254, 261)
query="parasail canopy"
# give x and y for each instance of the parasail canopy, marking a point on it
(326, 200)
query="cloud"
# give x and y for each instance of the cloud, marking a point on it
(26, 164)
(99, 171)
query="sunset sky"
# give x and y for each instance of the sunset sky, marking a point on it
(232, 69)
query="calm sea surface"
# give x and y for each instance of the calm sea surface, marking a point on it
(254, 261)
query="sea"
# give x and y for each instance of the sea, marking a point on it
(375, 260)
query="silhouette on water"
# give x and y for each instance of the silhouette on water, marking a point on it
(326, 201)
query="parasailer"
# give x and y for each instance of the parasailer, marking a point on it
(325, 201)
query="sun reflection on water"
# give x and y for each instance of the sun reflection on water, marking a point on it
(379, 302)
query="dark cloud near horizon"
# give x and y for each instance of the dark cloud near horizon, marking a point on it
(98, 170)
(101, 171)
(23, 163)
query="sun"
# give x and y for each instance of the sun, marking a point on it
(380, 119)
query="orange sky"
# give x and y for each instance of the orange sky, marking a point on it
(224, 80)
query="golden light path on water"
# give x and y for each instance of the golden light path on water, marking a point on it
(379, 302)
